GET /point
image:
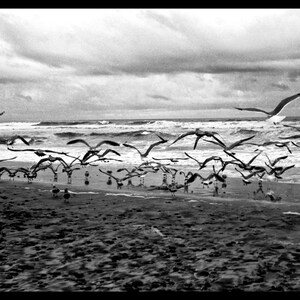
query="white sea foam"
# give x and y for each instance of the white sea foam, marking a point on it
(230, 131)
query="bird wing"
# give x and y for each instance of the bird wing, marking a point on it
(240, 173)
(287, 168)
(12, 140)
(183, 135)
(232, 155)
(193, 177)
(238, 143)
(2, 113)
(291, 126)
(88, 155)
(8, 159)
(253, 158)
(283, 103)
(162, 139)
(39, 162)
(108, 174)
(78, 141)
(200, 164)
(208, 160)
(123, 169)
(269, 159)
(252, 109)
(197, 140)
(297, 136)
(133, 147)
(219, 143)
(11, 149)
(295, 144)
(152, 146)
(278, 159)
(112, 143)
(109, 150)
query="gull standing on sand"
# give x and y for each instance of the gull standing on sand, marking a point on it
(186, 177)
(119, 180)
(273, 115)
(55, 191)
(67, 195)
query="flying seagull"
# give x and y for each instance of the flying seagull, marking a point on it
(92, 150)
(204, 163)
(233, 145)
(199, 133)
(276, 160)
(38, 152)
(273, 115)
(242, 164)
(145, 154)
(13, 139)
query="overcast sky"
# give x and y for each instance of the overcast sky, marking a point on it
(62, 64)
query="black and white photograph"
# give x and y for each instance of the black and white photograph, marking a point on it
(149, 150)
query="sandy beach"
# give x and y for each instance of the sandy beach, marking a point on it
(145, 241)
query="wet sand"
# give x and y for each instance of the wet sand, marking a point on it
(145, 241)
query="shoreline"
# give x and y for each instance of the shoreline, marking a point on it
(287, 192)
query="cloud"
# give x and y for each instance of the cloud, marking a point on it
(90, 62)
(281, 86)
(155, 41)
(25, 97)
(160, 97)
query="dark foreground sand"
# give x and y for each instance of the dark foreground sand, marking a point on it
(145, 242)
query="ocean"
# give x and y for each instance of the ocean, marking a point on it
(141, 133)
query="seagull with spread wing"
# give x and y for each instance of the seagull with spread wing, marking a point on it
(145, 154)
(93, 150)
(273, 114)
(10, 141)
(39, 152)
(92, 153)
(276, 160)
(242, 164)
(233, 145)
(204, 163)
(199, 133)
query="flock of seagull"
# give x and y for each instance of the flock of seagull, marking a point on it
(53, 160)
